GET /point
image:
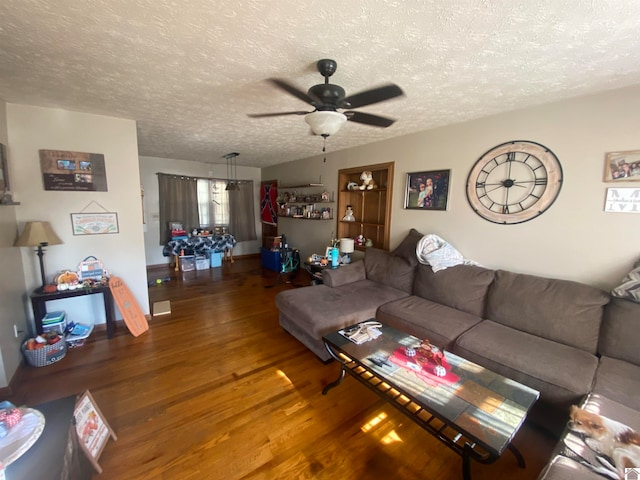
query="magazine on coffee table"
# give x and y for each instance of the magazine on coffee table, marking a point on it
(362, 332)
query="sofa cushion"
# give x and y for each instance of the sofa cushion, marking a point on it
(321, 309)
(425, 319)
(559, 310)
(619, 381)
(407, 248)
(345, 274)
(387, 269)
(463, 287)
(531, 360)
(620, 333)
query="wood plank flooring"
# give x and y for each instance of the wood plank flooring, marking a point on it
(217, 390)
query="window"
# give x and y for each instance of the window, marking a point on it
(213, 203)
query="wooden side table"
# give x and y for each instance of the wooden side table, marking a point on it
(56, 455)
(39, 301)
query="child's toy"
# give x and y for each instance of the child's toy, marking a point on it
(368, 183)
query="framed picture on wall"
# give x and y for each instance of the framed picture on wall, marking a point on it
(427, 190)
(622, 166)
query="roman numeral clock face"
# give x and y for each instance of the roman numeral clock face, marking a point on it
(514, 182)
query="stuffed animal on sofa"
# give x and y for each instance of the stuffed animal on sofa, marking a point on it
(368, 183)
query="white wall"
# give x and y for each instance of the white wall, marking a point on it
(150, 166)
(12, 311)
(574, 240)
(33, 128)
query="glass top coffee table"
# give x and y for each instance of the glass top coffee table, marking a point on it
(474, 411)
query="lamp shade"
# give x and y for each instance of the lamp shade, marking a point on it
(325, 122)
(37, 233)
(346, 245)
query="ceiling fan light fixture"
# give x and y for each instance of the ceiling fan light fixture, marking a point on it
(325, 122)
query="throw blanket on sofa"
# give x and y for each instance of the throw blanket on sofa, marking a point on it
(433, 250)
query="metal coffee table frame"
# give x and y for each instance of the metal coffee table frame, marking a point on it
(464, 444)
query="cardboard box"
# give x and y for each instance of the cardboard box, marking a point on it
(187, 263)
(216, 259)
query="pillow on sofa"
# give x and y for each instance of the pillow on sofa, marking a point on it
(560, 310)
(407, 248)
(387, 269)
(630, 286)
(463, 287)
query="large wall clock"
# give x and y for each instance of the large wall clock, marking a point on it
(514, 182)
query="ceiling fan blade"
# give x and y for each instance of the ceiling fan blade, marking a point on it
(278, 114)
(369, 119)
(295, 91)
(374, 95)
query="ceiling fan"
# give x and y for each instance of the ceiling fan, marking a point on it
(327, 99)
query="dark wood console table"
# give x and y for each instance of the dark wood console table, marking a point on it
(39, 301)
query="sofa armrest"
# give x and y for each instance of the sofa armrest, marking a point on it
(345, 274)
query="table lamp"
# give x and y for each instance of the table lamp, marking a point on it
(40, 235)
(347, 248)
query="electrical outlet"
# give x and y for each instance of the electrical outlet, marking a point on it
(15, 330)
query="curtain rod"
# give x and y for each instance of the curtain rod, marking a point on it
(191, 177)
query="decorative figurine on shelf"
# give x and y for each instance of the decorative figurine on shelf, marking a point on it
(348, 217)
(368, 243)
(325, 196)
(368, 183)
(360, 240)
(352, 186)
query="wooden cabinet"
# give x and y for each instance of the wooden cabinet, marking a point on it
(371, 208)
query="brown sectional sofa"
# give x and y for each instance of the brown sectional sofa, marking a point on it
(568, 340)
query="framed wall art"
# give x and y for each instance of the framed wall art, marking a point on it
(94, 223)
(622, 200)
(74, 171)
(622, 166)
(427, 190)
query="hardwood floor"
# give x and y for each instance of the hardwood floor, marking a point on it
(217, 390)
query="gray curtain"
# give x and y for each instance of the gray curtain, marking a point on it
(178, 203)
(242, 219)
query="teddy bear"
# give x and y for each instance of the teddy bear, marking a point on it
(368, 183)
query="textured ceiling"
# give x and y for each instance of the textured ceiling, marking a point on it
(189, 72)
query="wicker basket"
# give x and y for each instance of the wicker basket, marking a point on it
(46, 355)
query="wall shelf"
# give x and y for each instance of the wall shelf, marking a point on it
(371, 208)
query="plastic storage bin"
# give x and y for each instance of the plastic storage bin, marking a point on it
(270, 259)
(187, 263)
(216, 259)
(202, 262)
